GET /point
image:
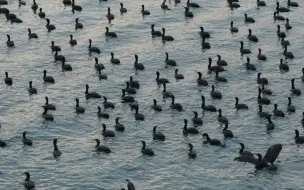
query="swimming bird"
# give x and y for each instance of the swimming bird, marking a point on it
(165, 93)
(226, 132)
(276, 16)
(8, 80)
(56, 151)
(47, 116)
(261, 80)
(130, 90)
(155, 33)
(191, 153)
(233, 4)
(31, 90)
(109, 15)
(249, 19)
(281, 9)
(118, 126)
(214, 68)
(214, 142)
(79, 109)
(205, 45)
(9, 43)
(91, 94)
(266, 91)
(261, 3)
(193, 5)
(287, 24)
(250, 66)
(220, 62)
(294, 90)
(175, 106)
(302, 121)
(215, 94)
(278, 113)
(239, 106)
(233, 29)
(21, 3)
(4, 10)
(13, 18)
(76, 7)
(55, 48)
(261, 56)
(263, 114)
(219, 78)
(146, 151)
(138, 116)
(221, 118)
(262, 100)
(143, 11)
(201, 81)
(107, 133)
(138, 66)
(160, 80)
(284, 42)
(133, 83)
(58, 57)
(302, 74)
(251, 37)
(107, 104)
(114, 60)
(292, 4)
(290, 108)
(122, 9)
(279, 33)
(166, 38)
(168, 61)
(31, 35)
(243, 50)
(26, 141)
(34, 6)
(197, 120)
(67, 2)
(72, 41)
(126, 99)
(110, 34)
(48, 79)
(98, 65)
(158, 135)
(164, 6)
(209, 108)
(101, 75)
(287, 54)
(47, 105)
(130, 185)
(298, 139)
(242, 152)
(283, 66)
(177, 75)
(78, 25)
(2, 143)
(156, 107)
(189, 130)
(93, 49)
(28, 183)
(101, 148)
(101, 114)
(270, 125)
(188, 13)
(49, 26)
(66, 67)
(203, 33)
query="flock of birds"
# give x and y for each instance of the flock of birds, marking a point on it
(132, 86)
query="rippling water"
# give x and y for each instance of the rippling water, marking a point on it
(79, 167)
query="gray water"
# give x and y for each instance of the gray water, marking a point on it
(81, 168)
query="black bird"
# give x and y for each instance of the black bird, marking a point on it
(220, 62)
(287, 25)
(47, 105)
(266, 91)
(261, 56)
(26, 141)
(263, 114)
(107, 104)
(233, 29)
(118, 126)
(188, 13)
(205, 45)
(58, 57)
(91, 94)
(160, 80)
(34, 6)
(78, 25)
(49, 26)
(201, 81)
(278, 113)
(215, 94)
(101, 114)
(168, 61)
(249, 19)
(8, 80)
(279, 33)
(155, 106)
(209, 108)
(28, 184)
(66, 67)
(251, 37)
(146, 151)
(203, 33)
(261, 3)
(191, 153)
(130, 185)
(166, 94)
(143, 11)
(122, 9)
(290, 108)
(78, 108)
(227, 133)
(48, 79)
(31, 35)
(219, 78)
(189, 130)
(283, 66)
(114, 60)
(155, 33)
(243, 50)
(242, 152)
(32, 90)
(197, 120)
(276, 16)
(292, 3)
(101, 148)
(287, 54)
(110, 34)
(298, 139)
(193, 5)
(9, 43)
(72, 41)
(56, 151)
(250, 66)
(164, 6)
(214, 142)
(158, 135)
(107, 133)
(138, 66)
(93, 49)
(76, 7)
(270, 125)
(126, 99)
(214, 68)
(294, 90)
(176, 106)
(262, 100)
(138, 116)
(46, 116)
(261, 80)
(55, 48)
(281, 9)
(221, 118)
(239, 106)
(166, 38)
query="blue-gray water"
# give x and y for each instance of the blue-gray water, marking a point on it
(79, 167)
